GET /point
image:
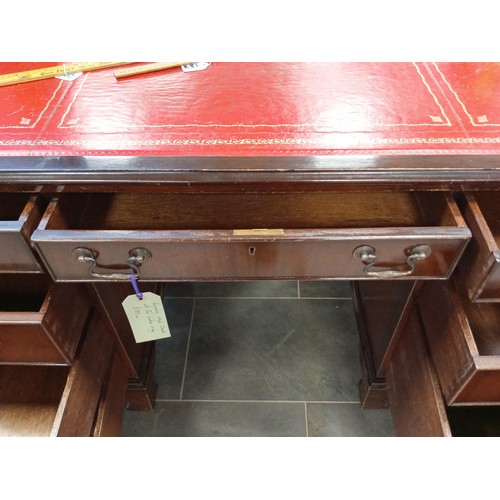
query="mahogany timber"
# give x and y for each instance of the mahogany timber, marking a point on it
(464, 342)
(85, 399)
(138, 357)
(40, 322)
(113, 401)
(417, 403)
(79, 402)
(20, 214)
(481, 266)
(341, 172)
(382, 309)
(413, 388)
(29, 398)
(199, 237)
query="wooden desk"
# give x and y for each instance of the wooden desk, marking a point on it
(378, 173)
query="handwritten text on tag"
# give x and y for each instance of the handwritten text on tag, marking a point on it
(146, 317)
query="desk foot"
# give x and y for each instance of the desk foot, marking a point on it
(141, 391)
(382, 309)
(140, 358)
(372, 390)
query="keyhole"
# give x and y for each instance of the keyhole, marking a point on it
(251, 250)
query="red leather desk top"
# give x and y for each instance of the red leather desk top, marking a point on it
(257, 109)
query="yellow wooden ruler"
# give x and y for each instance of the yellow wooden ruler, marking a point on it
(53, 71)
(147, 68)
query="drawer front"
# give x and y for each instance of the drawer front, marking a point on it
(481, 264)
(86, 399)
(332, 237)
(49, 335)
(220, 256)
(464, 342)
(19, 216)
(416, 399)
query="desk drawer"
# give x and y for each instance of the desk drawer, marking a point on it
(66, 401)
(19, 216)
(416, 400)
(40, 321)
(464, 340)
(252, 235)
(481, 265)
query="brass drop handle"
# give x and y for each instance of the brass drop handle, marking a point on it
(367, 255)
(137, 257)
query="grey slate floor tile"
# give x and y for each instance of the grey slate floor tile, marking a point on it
(347, 420)
(232, 289)
(269, 349)
(139, 424)
(234, 419)
(262, 358)
(333, 289)
(171, 352)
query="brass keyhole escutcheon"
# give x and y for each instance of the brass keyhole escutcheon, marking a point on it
(251, 250)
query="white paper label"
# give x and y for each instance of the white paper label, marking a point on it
(200, 66)
(69, 78)
(146, 317)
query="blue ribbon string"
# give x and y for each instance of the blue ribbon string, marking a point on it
(133, 279)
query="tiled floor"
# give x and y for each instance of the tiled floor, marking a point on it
(271, 358)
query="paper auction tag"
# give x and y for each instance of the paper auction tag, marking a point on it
(70, 78)
(146, 317)
(200, 66)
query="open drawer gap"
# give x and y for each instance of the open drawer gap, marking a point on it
(146, 211)
(21, 292)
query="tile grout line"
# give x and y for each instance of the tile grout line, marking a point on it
(257, 298)
(155, 423)
(270, 401)
(187, 350)
(307, 420)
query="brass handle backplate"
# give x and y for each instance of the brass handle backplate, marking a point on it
(137, 257)
(366, 254)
